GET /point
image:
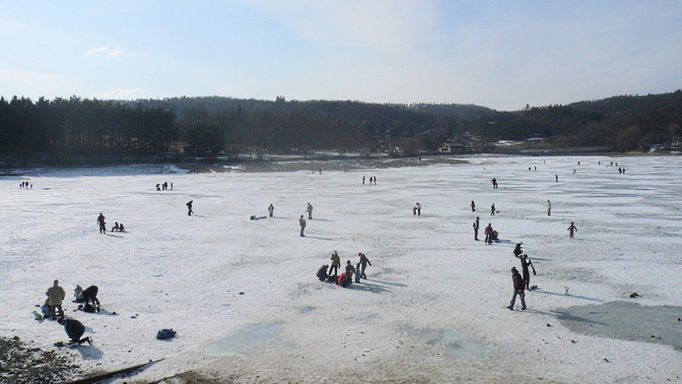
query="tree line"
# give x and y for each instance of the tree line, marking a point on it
(213, 125)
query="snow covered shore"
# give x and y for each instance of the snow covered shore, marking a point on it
(431, 310)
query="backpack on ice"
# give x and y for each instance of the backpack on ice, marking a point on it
(165, 334)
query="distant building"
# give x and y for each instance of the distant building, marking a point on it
(452, 147)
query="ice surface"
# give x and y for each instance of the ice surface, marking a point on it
(432, 310)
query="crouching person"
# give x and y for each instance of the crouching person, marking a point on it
(322, 273)
(75, 330)
(87, 296)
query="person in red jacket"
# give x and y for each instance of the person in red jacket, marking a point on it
(489, 234)
(518, 289)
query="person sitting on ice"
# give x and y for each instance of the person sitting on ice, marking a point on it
(74, 329)
(342, 280)
(350, 270)
(121, 228)
(116, 227)
(322, 272)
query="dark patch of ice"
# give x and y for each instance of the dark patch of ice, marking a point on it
(626, 320)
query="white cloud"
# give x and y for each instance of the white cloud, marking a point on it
(106, 51)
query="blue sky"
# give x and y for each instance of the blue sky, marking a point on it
(498, 54)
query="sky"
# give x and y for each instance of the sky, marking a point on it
(500, 54)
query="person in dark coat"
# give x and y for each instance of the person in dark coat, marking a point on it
(525, 263)
(517, 249)
(90, 295)
(492, 210)
(350, 270)
(476, 227)
(301, 222)
(74, 329)
(473, 206)
(322, 272)
(189, 207)
(518, 290)
(571, 229)
(363, 262)
(494, 182)
(271, 210)
(102, 224)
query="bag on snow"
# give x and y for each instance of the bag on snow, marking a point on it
(165, 334)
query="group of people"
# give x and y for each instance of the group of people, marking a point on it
(372, 180)
(25, 185)
(521, 283)
(331, 273)
(118, 227)
(164, 186)
(53, 309)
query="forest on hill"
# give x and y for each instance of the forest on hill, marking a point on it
(214, 125)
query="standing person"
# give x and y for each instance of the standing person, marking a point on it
(571, 229)
(489, 234)
(363, 180)
(102, 224)
(301, 222)
(518, 289)
(473, 206)
(171, 185)
(357, 273)
(549, 208)
(363, 262)
(320, 171)
(189, 207)
(492, 210)
(55, 294)
(375, 180)
(476, 226)
(418, 207)
(271, 209)
(494, 182)
(525, 263)
(309, 209)
(574, 171)
(74, 329)
(556, 178)
(336, 263)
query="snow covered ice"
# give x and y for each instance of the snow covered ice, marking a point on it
(431, 310)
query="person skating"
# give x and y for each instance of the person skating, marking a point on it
(556, 178)
(494, 182)
(363, 180)
(571, 229)
(518, 289)
(55, 294)
(476, 227)
(363, 262)
(525, 263)
(489, 234)
(473, 206)
(271, 210)
(102, 224)
(301, 222)
(74, 329)
(336, 263)
(549, 208)
(492, 210)
(189, 207)
(309, 209)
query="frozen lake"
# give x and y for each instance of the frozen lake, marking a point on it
(432, 308)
